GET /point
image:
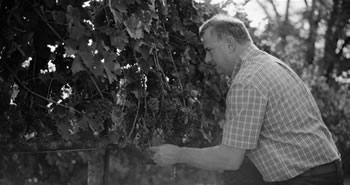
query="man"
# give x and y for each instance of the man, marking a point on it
(273, 131)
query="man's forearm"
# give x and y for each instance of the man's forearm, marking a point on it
(212, 158)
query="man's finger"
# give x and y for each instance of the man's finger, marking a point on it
(150, 152)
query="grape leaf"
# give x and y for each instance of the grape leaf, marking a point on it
(120, 6)
(146, 19)
(69, 50)
(98, 68)
(87, 58)
(71, 43)
(76, 31)
(110, 57)
(77, 66)
(143, 48)
(119, 40)
(134, 27)
(109, 66)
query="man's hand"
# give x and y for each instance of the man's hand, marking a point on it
(165, 155)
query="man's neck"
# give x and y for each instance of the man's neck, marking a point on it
(243, 47)
(241, 53)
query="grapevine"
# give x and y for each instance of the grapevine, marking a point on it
(96, 73)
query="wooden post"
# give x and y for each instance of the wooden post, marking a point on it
(96, 168)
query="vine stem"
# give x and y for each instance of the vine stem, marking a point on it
(156, 61)
(137, 115)
(177, 73)
(98, 89)
(113, 11)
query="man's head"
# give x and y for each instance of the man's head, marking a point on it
(223, 38)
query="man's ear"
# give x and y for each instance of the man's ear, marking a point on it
(231, 43)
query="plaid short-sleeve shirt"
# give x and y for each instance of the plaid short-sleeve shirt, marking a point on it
(272, 114)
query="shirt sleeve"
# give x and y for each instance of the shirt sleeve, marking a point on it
(245, 111)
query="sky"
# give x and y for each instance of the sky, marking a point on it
(256, 13)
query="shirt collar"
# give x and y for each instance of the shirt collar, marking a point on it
(250, 51)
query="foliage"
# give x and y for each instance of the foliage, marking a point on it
(335, 107)
(79, 75)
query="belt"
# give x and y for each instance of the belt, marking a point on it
(323, 169)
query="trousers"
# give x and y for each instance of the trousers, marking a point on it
(248, 174)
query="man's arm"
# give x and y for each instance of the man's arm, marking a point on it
(219, 157)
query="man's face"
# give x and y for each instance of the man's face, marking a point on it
(218, 53)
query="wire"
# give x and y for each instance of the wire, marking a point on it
(55, 151)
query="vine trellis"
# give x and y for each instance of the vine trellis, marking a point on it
(126, 72)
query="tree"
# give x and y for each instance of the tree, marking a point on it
(335, 59)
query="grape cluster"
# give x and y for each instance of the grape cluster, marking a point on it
(153, 105)
(169, 109)
(98, 111)
(168, 116)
